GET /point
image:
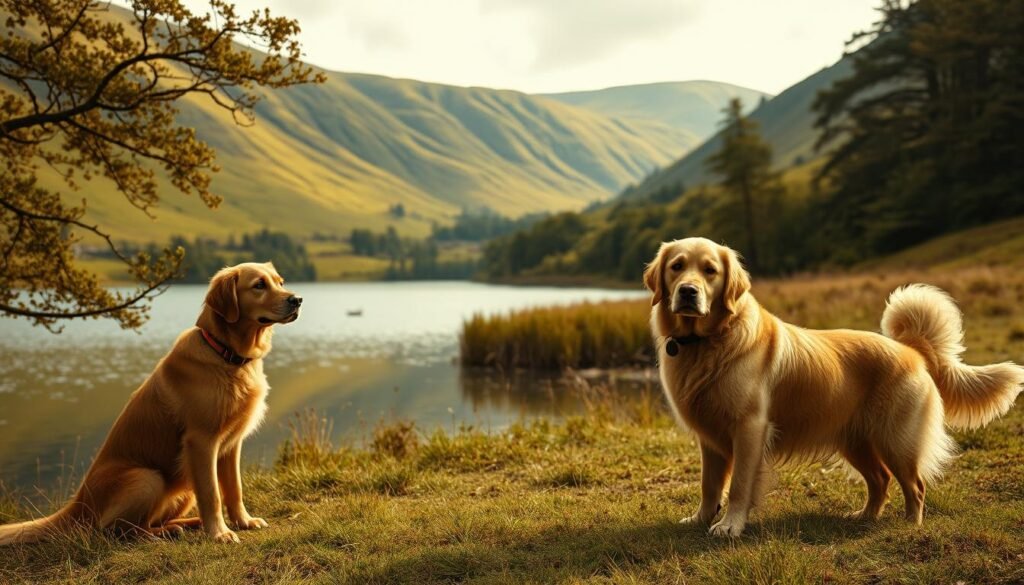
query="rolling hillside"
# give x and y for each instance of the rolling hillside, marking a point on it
(335, 156)
(331, 157)
(692, 106)
(995, 244)
(786, 122)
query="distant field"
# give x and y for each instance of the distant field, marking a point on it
(993, 245)
(334, 261)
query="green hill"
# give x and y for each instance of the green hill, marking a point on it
(786, 123)
(996, 244)
(335, 156)
(692, 106)
(330, 157)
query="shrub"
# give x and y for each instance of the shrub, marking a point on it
(397, 440)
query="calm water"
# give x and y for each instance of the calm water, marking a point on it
(59, 394)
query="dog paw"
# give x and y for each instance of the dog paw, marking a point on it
(862, 514)
(692, 520)
(225, 536)
(702, 517)
(250, 523)
(697, 519)
(168, 532)
(727, 529)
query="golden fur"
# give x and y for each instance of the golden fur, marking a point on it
(178, 441)
(756, 390)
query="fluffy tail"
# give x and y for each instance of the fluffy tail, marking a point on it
(36, 530)
(927, 319)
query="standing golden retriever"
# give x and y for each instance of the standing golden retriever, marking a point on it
(755, 389)
(178, 442)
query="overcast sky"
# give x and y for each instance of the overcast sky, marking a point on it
(562, 45)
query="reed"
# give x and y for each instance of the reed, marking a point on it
(586, 335)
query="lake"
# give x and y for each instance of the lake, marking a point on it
(59, 394)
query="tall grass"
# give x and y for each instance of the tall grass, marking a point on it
(617, 334)
(586, 335)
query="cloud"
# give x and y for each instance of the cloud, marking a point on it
(576, 32)
(303, 8)
(378, 34)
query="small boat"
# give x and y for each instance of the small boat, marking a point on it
(355, 312)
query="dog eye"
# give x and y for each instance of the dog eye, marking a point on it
(261, 284)
(677, 266)
(710, 271)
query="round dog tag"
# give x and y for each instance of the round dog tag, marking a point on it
(671, 347)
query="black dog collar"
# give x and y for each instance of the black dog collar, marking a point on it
(672, 343)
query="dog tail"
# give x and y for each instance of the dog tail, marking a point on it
(37, 530)
(928, 320)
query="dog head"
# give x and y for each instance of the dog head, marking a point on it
(252, 292)
(697, 281)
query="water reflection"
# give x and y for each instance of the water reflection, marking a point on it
(59, 394)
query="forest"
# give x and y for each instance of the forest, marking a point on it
(925, 137)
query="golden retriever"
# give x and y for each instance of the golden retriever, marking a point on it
(178, 441)
(756, 390)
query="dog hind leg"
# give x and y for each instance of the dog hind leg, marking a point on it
(135, 494)
(864, 458)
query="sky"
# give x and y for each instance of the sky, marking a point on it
(540, 46)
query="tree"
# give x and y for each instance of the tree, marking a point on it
(925, 135)
(744, 165)
(89, 90)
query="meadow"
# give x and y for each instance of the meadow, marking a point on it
(594, 498)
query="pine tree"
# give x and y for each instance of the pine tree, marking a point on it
(749, 184)
(927, 134)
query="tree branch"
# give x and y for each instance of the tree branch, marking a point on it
(6, 128)
(90, 313)
(91, 228)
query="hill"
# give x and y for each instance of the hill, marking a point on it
(786, 123)
(996, 244)
(692, 106)
(339, 155)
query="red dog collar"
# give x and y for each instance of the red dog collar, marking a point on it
(225, 352)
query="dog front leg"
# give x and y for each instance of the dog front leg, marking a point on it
(229, 473)
(201, 462)
(749, 453)
(714, 471)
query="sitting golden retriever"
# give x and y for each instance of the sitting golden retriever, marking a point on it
(755, 389)
(178, 442)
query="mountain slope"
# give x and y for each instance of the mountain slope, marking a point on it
(335, 156)
(786, 122)
(691, 106)
(330, 157)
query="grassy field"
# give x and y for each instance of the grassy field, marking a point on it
(596, 498)
(333, 260)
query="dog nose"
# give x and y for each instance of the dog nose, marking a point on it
(294, 301)
(688, 291)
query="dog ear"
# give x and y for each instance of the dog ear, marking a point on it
(223, 295)
(652, 276)
(737, 280)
